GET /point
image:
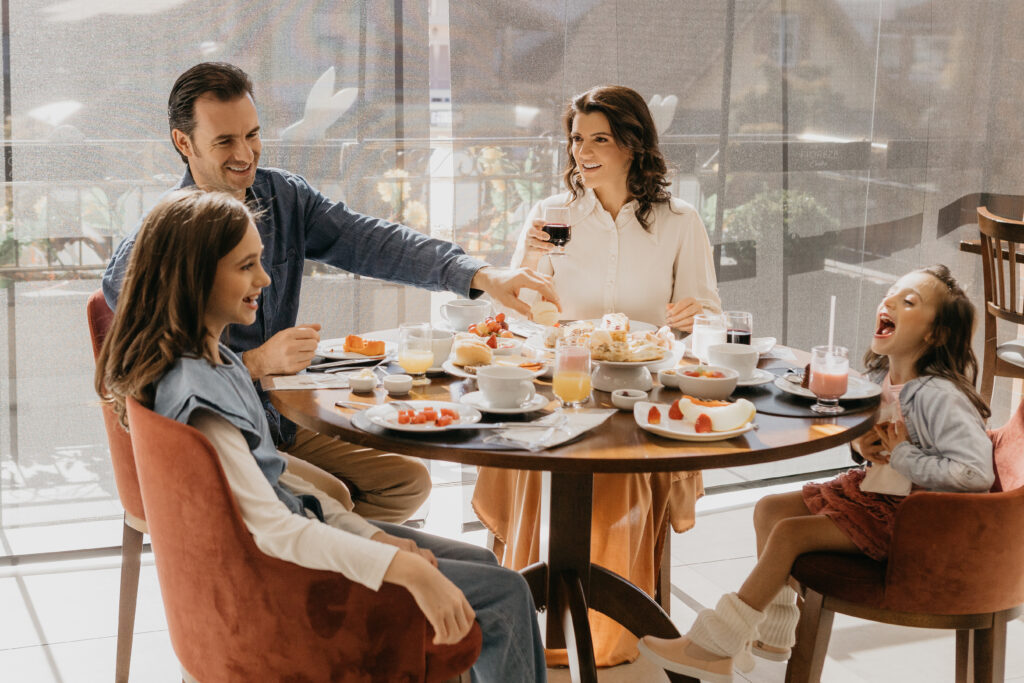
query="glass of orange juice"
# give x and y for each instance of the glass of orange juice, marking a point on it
(415, 351)
(571, 381)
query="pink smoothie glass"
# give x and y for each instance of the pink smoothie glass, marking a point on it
(830, 369)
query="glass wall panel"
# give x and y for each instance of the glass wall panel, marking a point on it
(91, 153)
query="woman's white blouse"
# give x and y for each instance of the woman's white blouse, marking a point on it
(617, 266)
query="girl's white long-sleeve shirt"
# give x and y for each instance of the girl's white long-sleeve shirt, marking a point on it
(341, 544)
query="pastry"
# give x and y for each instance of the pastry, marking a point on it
(615, 321)
(469, 350)
(603, 346)
(356, 344)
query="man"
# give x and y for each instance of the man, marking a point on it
(215, 128)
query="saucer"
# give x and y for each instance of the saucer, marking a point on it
(476, 399)
(758, 378)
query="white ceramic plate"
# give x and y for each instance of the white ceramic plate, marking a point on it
(856, 389)
(334, 349)
(477, 400)
(386, 415)
(457, 371)
(758, 378)
(679, 429)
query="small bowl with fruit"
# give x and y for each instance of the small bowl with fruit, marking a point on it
(494, 331)
(706, 381)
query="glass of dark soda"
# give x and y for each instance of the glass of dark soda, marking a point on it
(739, 327)
(556, 225)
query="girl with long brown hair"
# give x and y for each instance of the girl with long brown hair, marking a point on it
(934, 437)
(196, 268)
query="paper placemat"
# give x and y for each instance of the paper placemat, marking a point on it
(551, 434)
(305, 380)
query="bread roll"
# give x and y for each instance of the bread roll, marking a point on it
(471, 351)
(544, 313)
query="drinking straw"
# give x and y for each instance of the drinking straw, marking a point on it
(831, 323)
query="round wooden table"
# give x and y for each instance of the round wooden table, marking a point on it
(566, 583)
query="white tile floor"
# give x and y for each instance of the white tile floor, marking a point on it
(58, 621)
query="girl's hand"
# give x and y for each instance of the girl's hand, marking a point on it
(870, 446)
(406, 544)
(440, 600)
(892, 434)
(679, 315)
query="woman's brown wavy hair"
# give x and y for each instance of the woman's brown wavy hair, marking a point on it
(949, 354)
(633, 129)
(161, 309)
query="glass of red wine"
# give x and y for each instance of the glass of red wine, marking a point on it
(556, 225)
(739, 326)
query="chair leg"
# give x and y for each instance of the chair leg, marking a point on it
(988, 366)
(990, 651)
(131, 559)
(812, 635)
(964, 647)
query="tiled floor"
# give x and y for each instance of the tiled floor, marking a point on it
(57, 621)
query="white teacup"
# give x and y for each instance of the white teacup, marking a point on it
(441, 345)
(505, 386)
(740, 357)
(461, 313)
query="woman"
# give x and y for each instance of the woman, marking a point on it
(634, 249)
(197, 260)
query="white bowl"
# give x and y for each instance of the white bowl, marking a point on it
(356, 383)
(669, 377)
(508, 346)
(398, 384)
(714, 388)
(623, 399)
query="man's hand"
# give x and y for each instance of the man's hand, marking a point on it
(503, 284)
(679, 315)
(406, 544)
(286, 353)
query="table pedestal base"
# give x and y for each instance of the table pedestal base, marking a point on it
(567, 584)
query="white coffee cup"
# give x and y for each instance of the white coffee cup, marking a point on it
(740, 357)
(505, 386)
(461, 313)
(441, 345)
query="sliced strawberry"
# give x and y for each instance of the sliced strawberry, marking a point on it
(492, 341)
(673, 412)
(430, 414)
(500, 317)
(419, 418)
(443, 421)
(654, 416)
(403, 418)
(472, 328)
(448, 412)
(703, 424)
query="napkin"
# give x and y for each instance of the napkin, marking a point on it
(304, 381)
(884, 479)
(552, 430)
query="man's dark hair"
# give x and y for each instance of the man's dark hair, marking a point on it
(224, 81)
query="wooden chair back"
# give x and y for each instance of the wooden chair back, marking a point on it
(1001, 259)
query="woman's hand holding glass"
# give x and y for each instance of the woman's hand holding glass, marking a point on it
(538, 243)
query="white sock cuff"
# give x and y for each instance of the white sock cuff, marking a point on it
(781, 617)
(727, 629)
